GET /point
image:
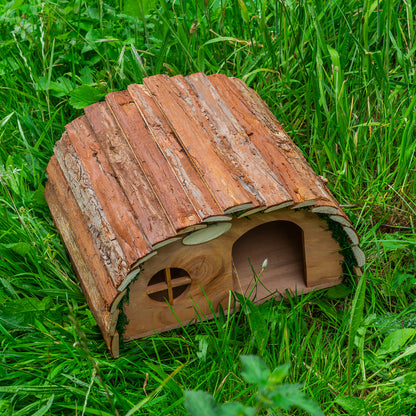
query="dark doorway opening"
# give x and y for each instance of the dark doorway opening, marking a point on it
(282, 244)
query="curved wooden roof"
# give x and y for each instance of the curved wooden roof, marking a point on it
(154, 162)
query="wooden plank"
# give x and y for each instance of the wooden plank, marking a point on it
(210, 233)
(316, 183)
(324, 209)
(251, 212)
(278, 150)
(178, 106)
(359, 256)
(90, 206)
(277, 207)
(166, 187)
(115, 205)
(341, 213)
(148, 211)
(98, 289)
(117, 301)
(115, 345)
(166, 242)
(341, 218)
(62, 202)
(233, 143)
(352, 235)
(195, 188)
(113, 322)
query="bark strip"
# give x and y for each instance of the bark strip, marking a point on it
(158, 172)
(179, 109)
(148, 211)
(98, 223)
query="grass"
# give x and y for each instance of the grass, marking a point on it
(340, 76)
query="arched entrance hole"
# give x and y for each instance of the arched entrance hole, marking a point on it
(281, 243)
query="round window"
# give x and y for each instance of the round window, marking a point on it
(168, 284)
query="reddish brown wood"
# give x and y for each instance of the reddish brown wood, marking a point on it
(147, 208)
(162, 166)
(165, 185)
(178, 106)
(84, 254)
(259, 136)
(196, 189)
(100, 228)
(233, 143)
(114, 203)
(61, 201)
(269, 137)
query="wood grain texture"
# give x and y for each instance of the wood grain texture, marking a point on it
(178, 106)
(324, 209)
(352, 235)
(269, 137)
(147, 208)
(166, 187)
(84, 254)
(208, 268)
(281, 243)
(100, 228)
(310, 262)
(115, 345)
(198, 193)
(188, 160)
(208, 234)
(341, 219)
(233, 143)
(359, 256)
(115, 205)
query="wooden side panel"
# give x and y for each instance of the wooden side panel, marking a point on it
(107, 189)
(232, 141)
(84, 254)
(115, 345)
(148, 211)
(98, 224)
(194, 186)
(271, 140)
(158, 172)
(322, 253)
(178, 106)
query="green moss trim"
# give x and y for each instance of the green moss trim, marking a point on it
(339, 235)
(122, 318)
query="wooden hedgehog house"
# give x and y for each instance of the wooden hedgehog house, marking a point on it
(176, 191)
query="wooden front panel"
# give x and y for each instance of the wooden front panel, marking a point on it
(207, 267)
(301, 252)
